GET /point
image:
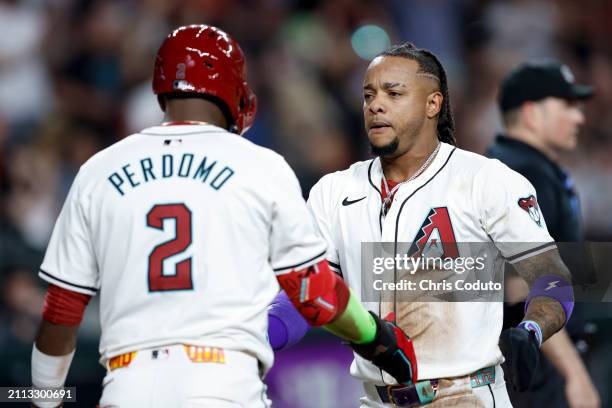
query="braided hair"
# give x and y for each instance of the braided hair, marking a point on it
(430, 65)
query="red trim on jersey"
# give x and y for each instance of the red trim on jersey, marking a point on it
(384, 193)
(383, 190)
(63, 306)
(183, 122)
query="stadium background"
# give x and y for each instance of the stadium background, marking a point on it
(75, 77)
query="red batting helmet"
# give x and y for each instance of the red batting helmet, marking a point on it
(202, 59)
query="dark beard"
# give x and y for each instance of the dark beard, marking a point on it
(386, 150)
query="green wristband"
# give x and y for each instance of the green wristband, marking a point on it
(363, 320)
(355, 324)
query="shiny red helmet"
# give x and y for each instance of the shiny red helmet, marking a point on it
(202, 59)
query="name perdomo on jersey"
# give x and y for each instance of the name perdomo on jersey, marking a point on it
(186, 166)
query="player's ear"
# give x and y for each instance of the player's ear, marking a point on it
(434, 104)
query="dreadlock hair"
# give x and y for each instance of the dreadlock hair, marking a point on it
(429, 64)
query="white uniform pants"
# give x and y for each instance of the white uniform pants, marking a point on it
(165, 377)
(456, 393)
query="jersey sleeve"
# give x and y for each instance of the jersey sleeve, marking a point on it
(548, 197)
(70, 261)
(295, 243)
(319, 204)
(509, 212)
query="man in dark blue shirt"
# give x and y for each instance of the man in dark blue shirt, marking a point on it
(539, 103)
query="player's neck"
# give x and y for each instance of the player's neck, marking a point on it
(408, 163)
(194, 109)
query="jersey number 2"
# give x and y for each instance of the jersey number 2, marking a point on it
(181, 280)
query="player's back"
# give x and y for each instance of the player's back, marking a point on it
(180, 220)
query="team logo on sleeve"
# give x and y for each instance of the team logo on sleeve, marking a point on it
(436, 237)
(530, 205)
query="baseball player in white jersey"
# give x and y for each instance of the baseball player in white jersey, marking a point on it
(184, 230)
(421, 189)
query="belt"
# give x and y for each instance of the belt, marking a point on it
(197, 354)
(423, 392)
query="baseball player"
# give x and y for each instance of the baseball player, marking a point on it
(184, 230)
(421, 189)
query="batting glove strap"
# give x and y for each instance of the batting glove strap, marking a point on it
(391, 350)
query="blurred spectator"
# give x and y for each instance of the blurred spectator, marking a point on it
(415, 23)
(23, 299)
(523, 29)
(31, 200)
(24, 80)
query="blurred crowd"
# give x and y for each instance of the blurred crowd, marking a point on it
(75, 77)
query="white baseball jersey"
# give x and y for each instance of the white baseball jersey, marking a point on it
(461, 197)
(181, 229)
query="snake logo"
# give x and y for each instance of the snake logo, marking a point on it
(530, 205)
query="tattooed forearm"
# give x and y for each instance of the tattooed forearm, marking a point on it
(546, 263)
(547, 312)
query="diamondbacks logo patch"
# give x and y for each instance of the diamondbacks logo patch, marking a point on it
(436, 237)
(530, 205)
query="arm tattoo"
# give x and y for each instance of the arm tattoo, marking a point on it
(547, 312)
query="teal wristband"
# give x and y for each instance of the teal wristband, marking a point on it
(534, 327)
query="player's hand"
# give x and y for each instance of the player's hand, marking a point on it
(581, 392)
(520, 349)
(391, 350)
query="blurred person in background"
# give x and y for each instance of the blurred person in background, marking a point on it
(22, 65)
(540, 106)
